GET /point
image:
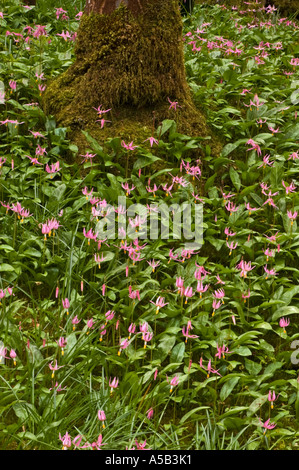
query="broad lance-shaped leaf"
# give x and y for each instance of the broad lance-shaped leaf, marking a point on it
(228, 387)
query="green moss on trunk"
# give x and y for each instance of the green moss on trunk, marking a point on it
(132, 64)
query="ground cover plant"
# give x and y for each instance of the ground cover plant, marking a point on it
(135, 342)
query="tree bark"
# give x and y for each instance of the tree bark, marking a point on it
(129, 57)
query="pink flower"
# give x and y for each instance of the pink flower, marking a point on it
(66, 304)
(159, 303)
(271, 398)
(62, 344)
(173, 382)
(66, 441)
(75, 321)
(113, 383)
(102, 417)
(292, 216)
(283, 323)
(150, 413)
(54, 367)
(267, 425)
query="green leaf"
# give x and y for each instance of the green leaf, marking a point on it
(228, 387)
(177, 354)
(235, 178)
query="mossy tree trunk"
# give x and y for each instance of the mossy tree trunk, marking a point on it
(129, 57)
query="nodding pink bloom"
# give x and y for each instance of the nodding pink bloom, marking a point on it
(197, 198)
(231, 207)
(88, 157)
(90, 324)
(41, 88)
(270, 272)
(134, 294)
(180, 285)
(174, 104)
(152, 190)
(41, 151)
(102, 417)
(129, 146)
(54, 367)
(294, 62)
(231, 246)
(66, 304)
(13, 85)
(152, 141)
(101, 111)
(66, 441)
(13, 355)
(283, 323)
(219, 281)
(200, 288)
(2, 161)
(143, 327)
(274, 131)
(271, 398)
(150, 413)
(113, 383)
(86, 193)
(127, 188)
(62, 344)
(131, 329)
(102, 332)
(99, 259)
(200, 273)
(172, 256)
(123, 344)
(188, 293)
(64, 35)
(3, 352)
(54, 168)
(245, 268)
(294, 156)
(147, 337)
(75, 322)
(185, 331)
(209, 368)
(137, 222)
(39, 31)
(59, 11)
(246, 296)
(173, 382)
(292, 216)
(98, 444)
(267, 425)
(216, 304)
(90, 235)
(155, 374)
(219, 294)
(251, 209)
(153, 264)
(289, 189)
(159, 303)
(221, 351)
(228, 233)
(102, 121)
(140, 445)
(266, 162)
(227, 196)
(109, 315)
(254, 145)
(34, 160)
